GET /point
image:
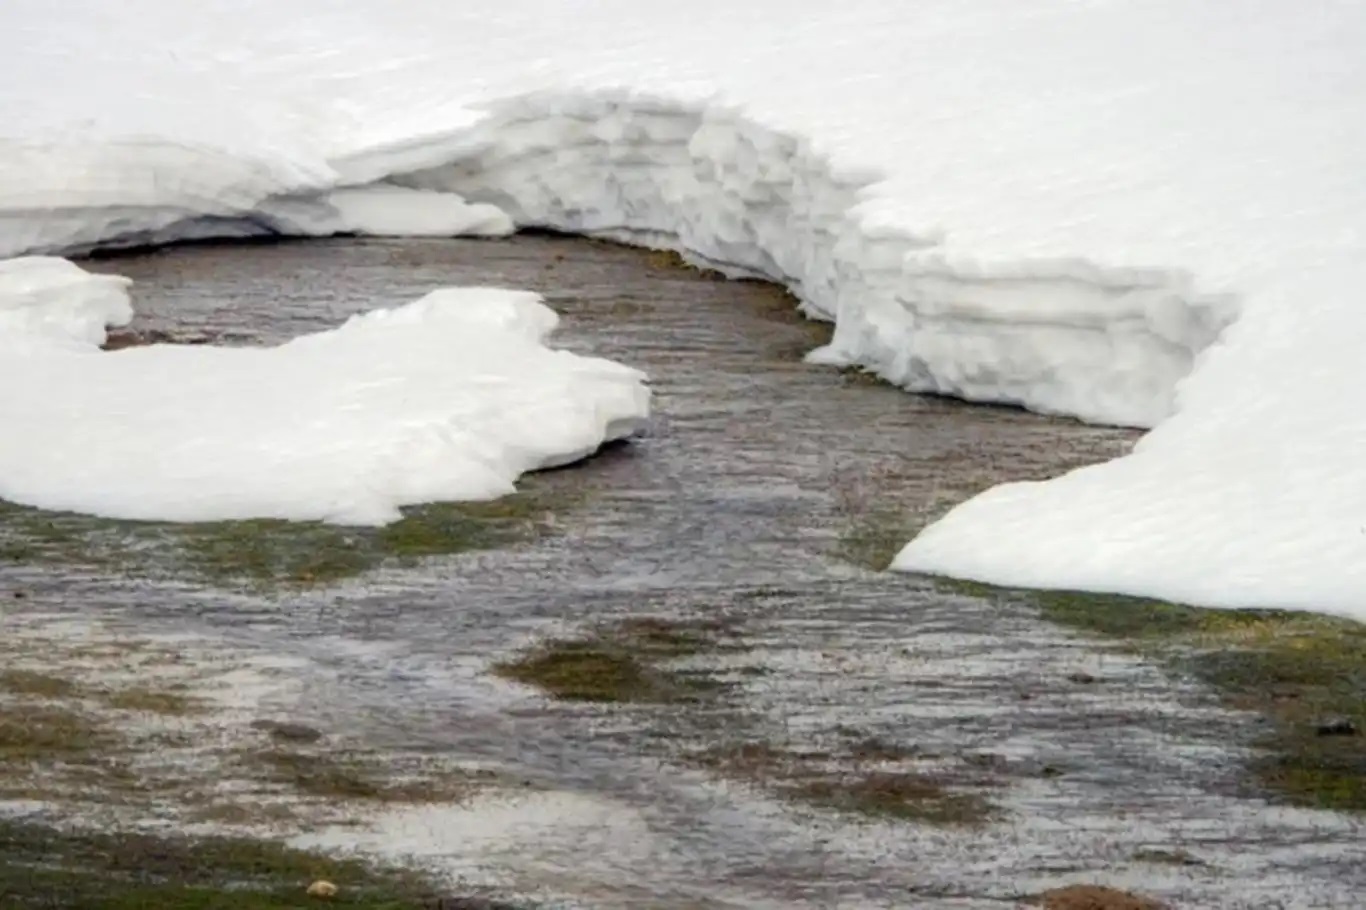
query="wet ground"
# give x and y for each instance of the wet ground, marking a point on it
(766, 493)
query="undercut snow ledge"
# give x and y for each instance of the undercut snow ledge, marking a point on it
(1107, 345)
(1057, 336)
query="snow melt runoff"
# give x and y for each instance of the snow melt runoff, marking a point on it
(1143, 213)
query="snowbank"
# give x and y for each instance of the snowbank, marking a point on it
(1253, 496)
(1056, 336)
(980, 196)
(50, 303)
(450, 397)
(380, 210)
(1052, 203)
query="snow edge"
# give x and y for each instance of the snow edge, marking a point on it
(1103, 344)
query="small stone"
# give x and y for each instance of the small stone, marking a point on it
(1081, 677)
(322, 889)
(1338, 726)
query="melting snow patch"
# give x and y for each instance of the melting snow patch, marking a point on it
(451, 397)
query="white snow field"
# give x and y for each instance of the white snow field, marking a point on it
(450, 397)
(1062, 204)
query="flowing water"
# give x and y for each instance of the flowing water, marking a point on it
(761, 485)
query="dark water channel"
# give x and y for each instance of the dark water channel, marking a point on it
(760, 486)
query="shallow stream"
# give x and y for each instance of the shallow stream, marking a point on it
(763, 493)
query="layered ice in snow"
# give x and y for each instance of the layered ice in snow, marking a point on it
(450, 397)
(1143, 212)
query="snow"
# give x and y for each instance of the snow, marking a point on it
(379, 210)
(1061, 204)
(1253, 496)
(450, 397)
(49, 302)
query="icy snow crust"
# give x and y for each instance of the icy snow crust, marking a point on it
(450, 397)
(1055, 203)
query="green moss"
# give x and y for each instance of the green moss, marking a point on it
(1321, 775)
(52, 751)
(809, 776)
(438, 530)
(875, 535)
(152, 701)
(965, 588)
(266, 552)
(654, 638)
(12, 551)
(902, 796)
(319, 775)
(1298, 670)
(30, 535)
(585, 671)
(41, 867)
(245, 813)
(357, 777)
(41, 685)
(1302, 682)
(622, 662)
(44, 732)
(1144, 619)
(1117, 615)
